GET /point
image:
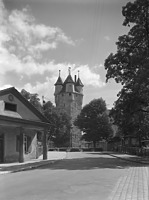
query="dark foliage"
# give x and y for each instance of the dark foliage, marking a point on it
(33, 99)
(130, 67)
(94, 122)
(59, 131)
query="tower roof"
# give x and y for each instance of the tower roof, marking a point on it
(79, 82)
(69, 79)
(59, 80)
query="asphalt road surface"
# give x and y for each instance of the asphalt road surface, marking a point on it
(82, 176)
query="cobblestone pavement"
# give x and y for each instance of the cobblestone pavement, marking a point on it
(133, 186)
(81, 176)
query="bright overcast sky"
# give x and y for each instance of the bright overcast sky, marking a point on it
(39, 37)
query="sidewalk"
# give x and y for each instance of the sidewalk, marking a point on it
(134, 184)
(131, 158)
(6, 168)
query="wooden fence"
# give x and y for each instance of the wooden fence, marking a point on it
(134, 150)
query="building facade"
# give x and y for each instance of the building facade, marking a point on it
(19, 123)
(69, 98)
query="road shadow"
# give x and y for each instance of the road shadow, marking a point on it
(89, 163)
(122, 156)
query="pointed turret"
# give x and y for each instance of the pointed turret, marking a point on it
(69, 80)
(79, 85)
(69, 83)
(59, 80)
(58, 84)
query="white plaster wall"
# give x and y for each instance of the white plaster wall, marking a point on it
(33, 153)
(10, 153)
(22, 110)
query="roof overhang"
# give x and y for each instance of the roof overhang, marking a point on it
(18, 95)
(17, 122)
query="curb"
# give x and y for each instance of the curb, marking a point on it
(33, 166)
(127, 159)
(27, 168)
(42, 163)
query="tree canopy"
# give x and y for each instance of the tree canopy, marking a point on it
(130, 67)
(33, 99)
(94, 122)
(59, 131)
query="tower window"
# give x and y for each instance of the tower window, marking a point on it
(11, 107)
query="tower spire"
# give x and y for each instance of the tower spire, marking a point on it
(69, 70)
(78, 74)
(79, 82)
(59, 80)
(59, 73)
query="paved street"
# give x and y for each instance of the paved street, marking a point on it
(82, 176)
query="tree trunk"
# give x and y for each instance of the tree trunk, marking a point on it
(45, 145)
(94, 144)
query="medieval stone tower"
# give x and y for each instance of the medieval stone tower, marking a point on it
(68, 98)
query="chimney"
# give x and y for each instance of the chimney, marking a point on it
(43, 101)
(75, 78)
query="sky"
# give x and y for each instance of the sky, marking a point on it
(40, 37)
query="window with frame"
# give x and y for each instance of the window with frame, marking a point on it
(10, 107)
(27, 144)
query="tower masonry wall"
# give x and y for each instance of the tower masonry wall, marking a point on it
(70, 102)
(69, 98)
(69, 87)
(72, 105)
(80, 89)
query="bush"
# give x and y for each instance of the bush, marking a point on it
(75, 150)
(87, 149)
(98, 149)
(91, 149)
(63, 149)
(52, 149)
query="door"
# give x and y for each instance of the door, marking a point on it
(1, 149)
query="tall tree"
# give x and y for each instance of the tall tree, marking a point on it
(59, 131)
(33, 99)
(129, 66)
(94, 122)
(131, 58)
